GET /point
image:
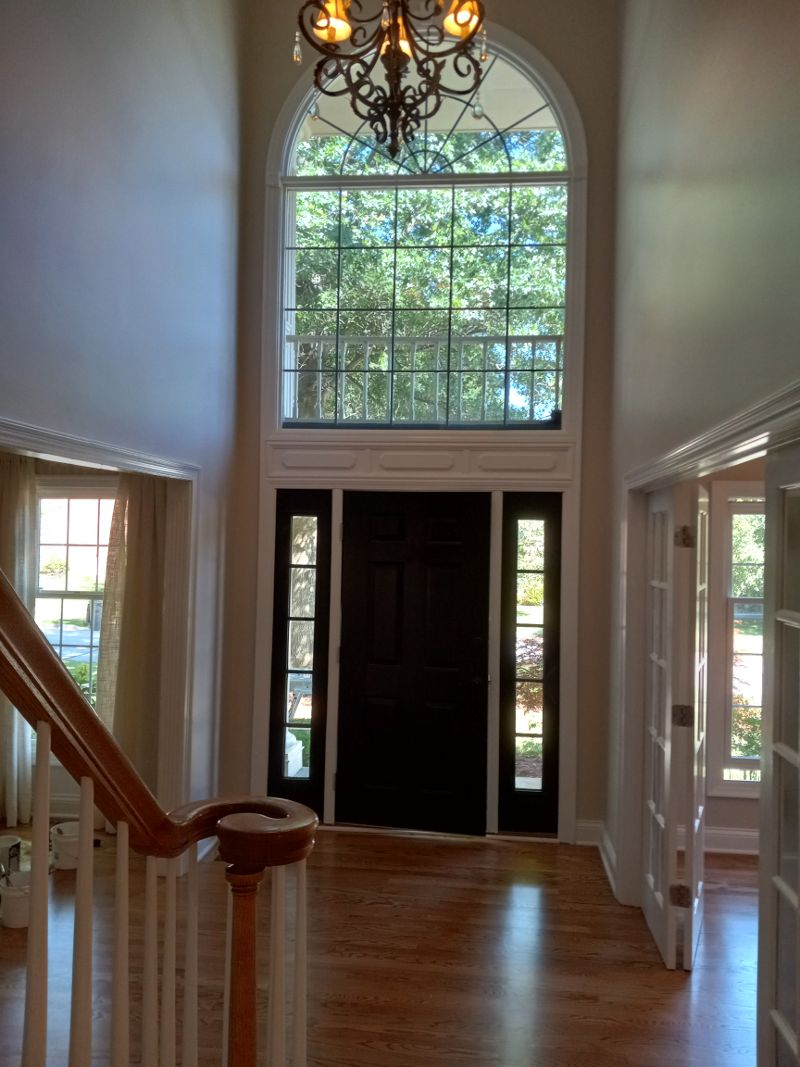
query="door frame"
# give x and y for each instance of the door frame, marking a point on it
(502, 471)
(753, 433)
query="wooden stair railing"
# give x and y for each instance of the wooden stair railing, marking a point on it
(254, 833)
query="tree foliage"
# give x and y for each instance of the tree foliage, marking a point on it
(432, 304)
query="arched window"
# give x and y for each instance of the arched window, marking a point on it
(428, 290)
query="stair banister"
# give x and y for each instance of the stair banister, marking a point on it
(254, 832)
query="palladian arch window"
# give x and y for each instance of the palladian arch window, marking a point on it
(428, 290)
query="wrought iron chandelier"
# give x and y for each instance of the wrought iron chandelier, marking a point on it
(406, 36)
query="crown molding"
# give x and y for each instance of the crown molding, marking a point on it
(770, 423)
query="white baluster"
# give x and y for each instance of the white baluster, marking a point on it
(277, 977)
(120, 990)
(34, 1042)
(300, 980)
(226, 995)
(190, 964)
(168, 964)
(80, 1029)
(150, 966)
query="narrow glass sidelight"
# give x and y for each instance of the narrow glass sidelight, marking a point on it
(301, 608)
(300, 641)
(529, 665)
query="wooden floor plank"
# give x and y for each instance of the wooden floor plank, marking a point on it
(428, 951)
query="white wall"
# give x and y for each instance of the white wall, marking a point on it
(708, 236)
(119, 150)
(709, 231)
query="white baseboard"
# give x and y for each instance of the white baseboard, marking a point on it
(727, 839)
(589, 832)
(594, 832)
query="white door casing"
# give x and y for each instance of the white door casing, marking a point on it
(779, 914)
(695, 739)
(659, 836)
(675, 701)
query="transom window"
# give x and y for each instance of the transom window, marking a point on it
(429, 290)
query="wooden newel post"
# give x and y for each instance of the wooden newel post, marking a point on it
(242, 1035)
(249, 843)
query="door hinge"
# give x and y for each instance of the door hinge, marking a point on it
(683, 715)
(685, 537)
(680, 896)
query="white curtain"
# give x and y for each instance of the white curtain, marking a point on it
(129, 667)
(16, 513)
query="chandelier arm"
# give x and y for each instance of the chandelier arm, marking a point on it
(404, 41)
(361, 41)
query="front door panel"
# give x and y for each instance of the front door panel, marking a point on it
(412, 718)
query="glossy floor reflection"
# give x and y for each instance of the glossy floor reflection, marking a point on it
(428, 951)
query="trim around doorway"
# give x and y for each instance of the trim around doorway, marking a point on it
(764, 427)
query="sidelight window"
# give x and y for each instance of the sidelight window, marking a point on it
(529, 682)
(300, 645)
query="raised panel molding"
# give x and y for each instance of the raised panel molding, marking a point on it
(416, 461)
(476, 464)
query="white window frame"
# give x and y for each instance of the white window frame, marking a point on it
(57, 487)
(723, 507)
(549, 83)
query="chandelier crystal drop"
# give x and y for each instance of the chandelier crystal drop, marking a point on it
(392, 59)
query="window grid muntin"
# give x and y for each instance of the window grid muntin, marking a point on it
(291, 309)
(67, 651)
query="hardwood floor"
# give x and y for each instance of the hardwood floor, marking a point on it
(466, 953)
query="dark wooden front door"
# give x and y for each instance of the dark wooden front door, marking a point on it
(412, 712)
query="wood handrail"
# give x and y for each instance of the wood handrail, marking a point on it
(38, 684)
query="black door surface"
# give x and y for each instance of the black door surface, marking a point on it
(412, 713)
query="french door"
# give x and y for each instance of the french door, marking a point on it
(675, 726)
(779, 914)
(413, 693)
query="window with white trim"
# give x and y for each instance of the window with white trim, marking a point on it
(736, 642)
(72, 527)
(429, 290)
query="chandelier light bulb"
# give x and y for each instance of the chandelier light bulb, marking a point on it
(462, 18)
(333, 26)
